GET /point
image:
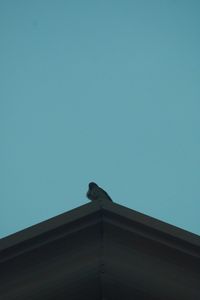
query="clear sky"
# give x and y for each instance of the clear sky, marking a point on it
(104, 91)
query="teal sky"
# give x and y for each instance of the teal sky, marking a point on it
(104, 91)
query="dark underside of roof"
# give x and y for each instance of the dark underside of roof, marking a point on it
(100, 251)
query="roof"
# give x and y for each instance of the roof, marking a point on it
(100, 250)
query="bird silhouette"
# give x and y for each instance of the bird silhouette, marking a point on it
(96, 193)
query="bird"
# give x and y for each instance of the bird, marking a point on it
(96, 193)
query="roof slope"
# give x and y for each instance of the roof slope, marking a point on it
(100, 250)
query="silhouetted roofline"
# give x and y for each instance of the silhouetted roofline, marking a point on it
(154, 227)
(100, 249)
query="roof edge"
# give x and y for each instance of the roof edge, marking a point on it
(150, 227)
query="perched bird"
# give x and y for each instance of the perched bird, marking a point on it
(96, 193)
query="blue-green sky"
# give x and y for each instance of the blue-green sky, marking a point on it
(105, 91)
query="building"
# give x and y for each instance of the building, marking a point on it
(100, 251)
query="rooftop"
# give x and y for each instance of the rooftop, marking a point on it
(100, 250)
